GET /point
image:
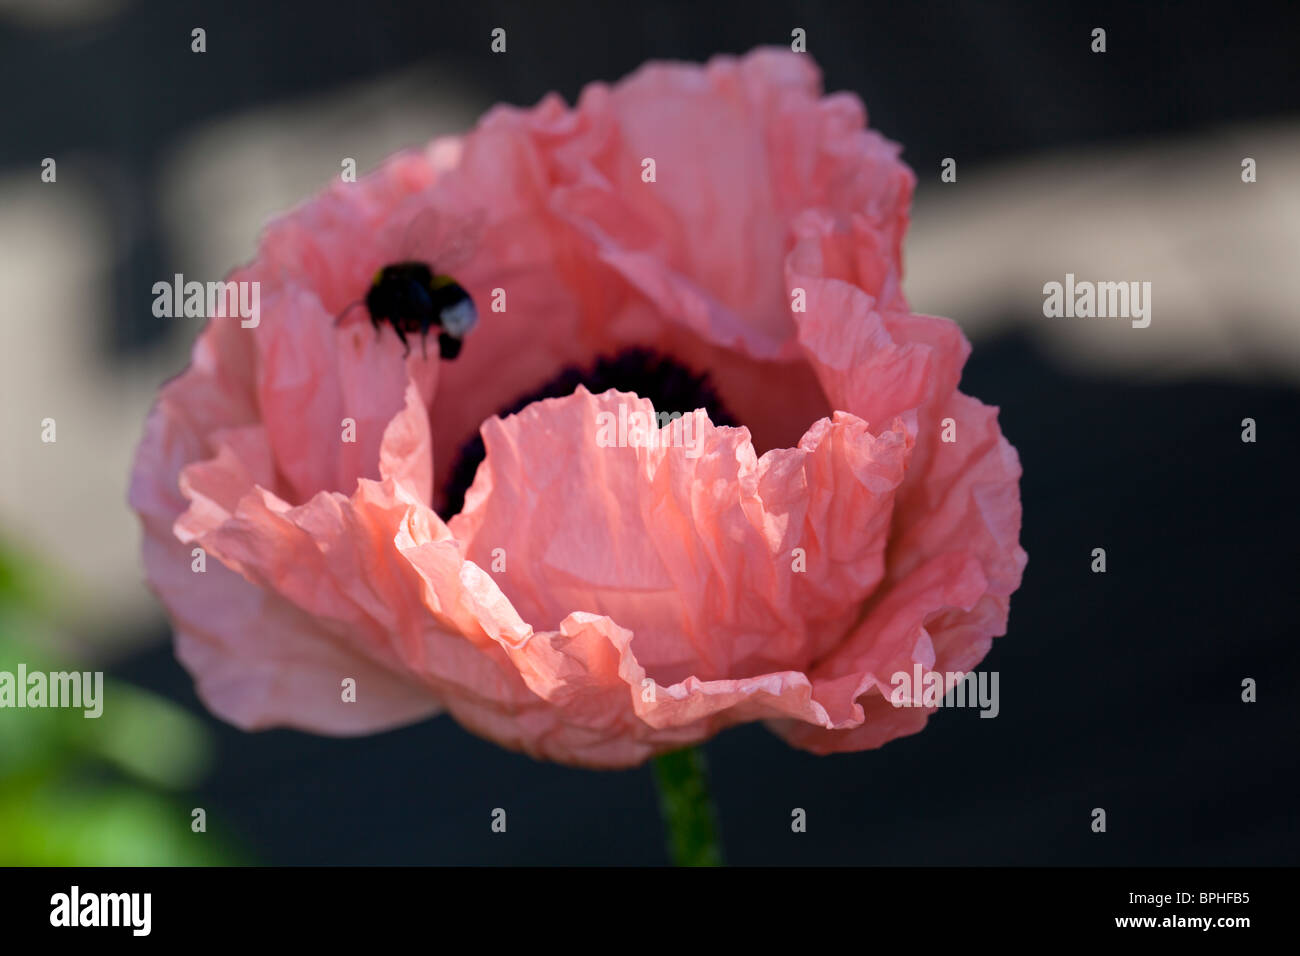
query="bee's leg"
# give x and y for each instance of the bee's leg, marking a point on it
(402, 335)
(374, 320)
(424, 345)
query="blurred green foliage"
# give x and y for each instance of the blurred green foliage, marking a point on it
(106, 791)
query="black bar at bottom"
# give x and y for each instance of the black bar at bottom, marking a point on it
(332, 905)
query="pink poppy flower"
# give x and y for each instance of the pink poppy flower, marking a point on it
(721, 241)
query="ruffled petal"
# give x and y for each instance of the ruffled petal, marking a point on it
(729, 565)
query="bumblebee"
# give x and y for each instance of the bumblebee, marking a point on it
(412, 297)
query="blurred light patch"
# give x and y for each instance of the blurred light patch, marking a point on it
(1219, 253)
(64, 501)
(223, 184)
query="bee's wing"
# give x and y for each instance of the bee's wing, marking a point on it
(442, 238)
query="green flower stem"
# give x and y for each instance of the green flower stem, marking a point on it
(689, 817)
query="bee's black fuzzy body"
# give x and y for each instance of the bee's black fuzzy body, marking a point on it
(412, 298)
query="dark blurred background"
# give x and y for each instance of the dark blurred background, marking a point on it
(1119, 690)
